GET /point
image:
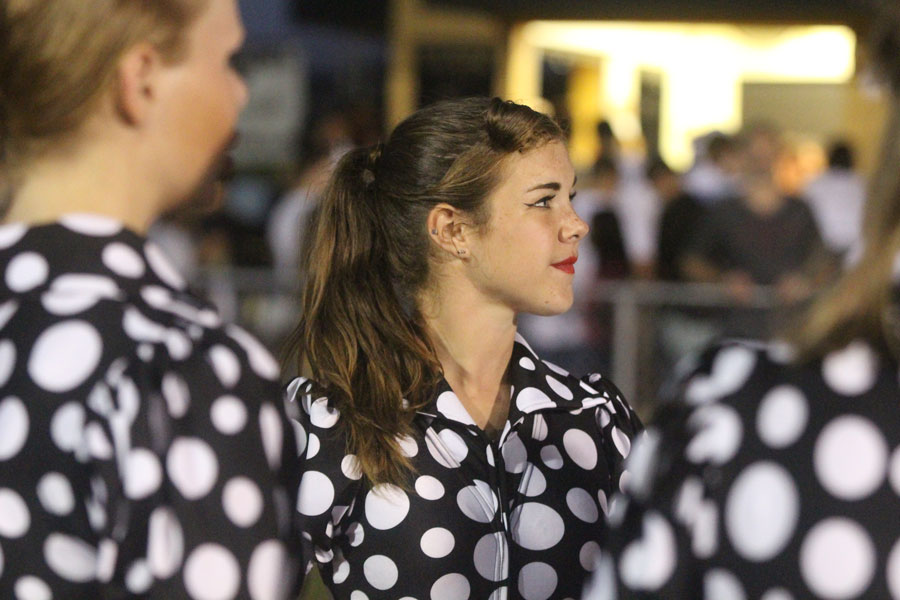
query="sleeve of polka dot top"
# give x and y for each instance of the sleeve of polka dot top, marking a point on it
(331, 479)
(658, 527)
(195, 491)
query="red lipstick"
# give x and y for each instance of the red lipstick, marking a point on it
(567, 265)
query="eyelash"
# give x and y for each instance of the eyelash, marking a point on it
(542, 203)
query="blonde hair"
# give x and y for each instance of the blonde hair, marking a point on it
(57, 57)
(861, 305)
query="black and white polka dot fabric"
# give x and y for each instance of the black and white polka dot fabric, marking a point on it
(515, 518)
(144, 447)
(765, 480)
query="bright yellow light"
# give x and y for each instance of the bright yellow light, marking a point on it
(702, 68)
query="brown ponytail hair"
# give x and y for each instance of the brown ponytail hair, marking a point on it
(862, 304)
(359, 331)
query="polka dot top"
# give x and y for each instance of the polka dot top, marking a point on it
(515, 518)
(144, 448)
(764, 480)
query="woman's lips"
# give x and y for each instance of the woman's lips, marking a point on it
(567, 265)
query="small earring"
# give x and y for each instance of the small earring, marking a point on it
(434, 232)
(460, 251)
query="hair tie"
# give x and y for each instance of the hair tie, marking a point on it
(373, 159)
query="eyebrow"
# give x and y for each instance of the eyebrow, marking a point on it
(551, 185)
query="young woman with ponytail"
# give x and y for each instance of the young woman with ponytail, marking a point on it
(775, 473)
(442, 458)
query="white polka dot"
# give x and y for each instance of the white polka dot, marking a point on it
(559, 388)
(138, 579)
(761, 511)
(602, 501)
(350, 467)
(452, 586)
(380, 571)
(852, 370)
(98, 444)
(192, 467)
(837, 559)
(107, 555)
(539, 429)
(229, 415)
(160, 264)
(893, 571)
(718, 434)
(225, 364)
(782, 416)
(478, 502)
(386, 506)
(316, 494)
(322, 415)
(312, 447)
(92, 225)
(299, 435)
(165, 543)
(358, 595)
(14, 516)
(526, 363)
(65, 355)
(437, 542)
(70, 558)
(850, 457)
(719, 583)
(429, 487)
(175, 391)
(536, 526)
(123, 260)
(55, 493)
(555, 368)
(141, 329)
(487, 551)
(272, 433)
(10, 234)
(730, 369)
(581, 448)
(355, 534)
(67, 426)
(589, 555)
(408, 445)
(266, 576)
(621, 441)
(447, 447)
(261, 361)
(212, 573)
(450, 406)
(582, 505)
(26, 272)
(30, 587)
(533, 482)
(648, 562)
(514, 454)
(14, 427)
(7, 362)
(537, 581)
(243, 502)
(531, 398)
(777, 594)
(7, 310)
(341, 570)
(551, 457)
(895, 471)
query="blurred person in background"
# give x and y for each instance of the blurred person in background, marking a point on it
(680, 222)
(144, 448)
(713, 177)
(837, 198)
(774, 472)
(442, 458)
(760, 238)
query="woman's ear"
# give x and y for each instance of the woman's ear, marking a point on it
(449, 229)
(136, 83)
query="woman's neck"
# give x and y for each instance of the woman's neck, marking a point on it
(474, 342)
(86, 183)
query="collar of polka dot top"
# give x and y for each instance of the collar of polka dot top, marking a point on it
(535, 386)
(98, 257)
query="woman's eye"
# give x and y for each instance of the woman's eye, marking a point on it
(543, 202)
